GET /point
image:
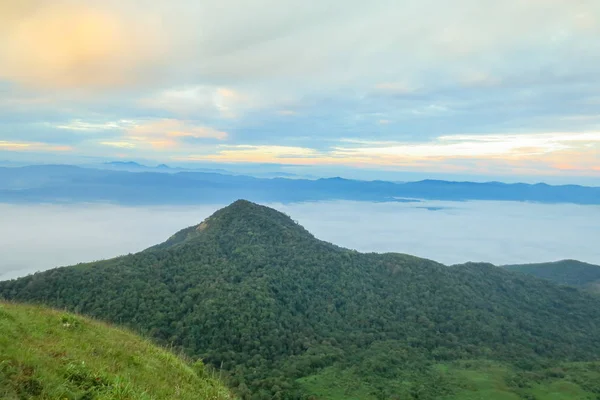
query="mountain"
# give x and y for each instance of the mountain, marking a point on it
(47, 354)
(565, 272)
(124, 164)
(132, 166)
(286, 315)
(140, 185)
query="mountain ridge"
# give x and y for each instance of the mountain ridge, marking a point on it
(69, 184)
(256, 294)
(566, 272)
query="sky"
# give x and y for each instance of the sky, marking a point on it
(497, 232)
(488, 88)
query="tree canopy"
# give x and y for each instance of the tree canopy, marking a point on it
(564, 272)
(253, 293)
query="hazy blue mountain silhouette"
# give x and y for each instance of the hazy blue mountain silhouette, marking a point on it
(65, 183)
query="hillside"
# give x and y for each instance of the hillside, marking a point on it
(287, 315)
(565, 272)
(46, 354)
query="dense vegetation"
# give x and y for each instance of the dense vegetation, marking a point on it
(565, 272)
(466, 380)
(46, 354)
(286, 315)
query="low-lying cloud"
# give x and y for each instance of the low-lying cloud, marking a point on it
(39, 237)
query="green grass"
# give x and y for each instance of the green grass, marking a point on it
(481, 380)
(47, 354)
(495, 381)
(467, 380)
(333, 383)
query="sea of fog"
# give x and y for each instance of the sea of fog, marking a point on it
(38, 237)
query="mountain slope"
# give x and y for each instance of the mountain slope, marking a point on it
(565, 272)
(252, 292)
(46, 354)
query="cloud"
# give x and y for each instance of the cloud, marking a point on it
(72, 44)
(230, 42)
(287, 113)
(540, 154)
(168, 133)
(175, 79)
(201, 100)
(454, 146)
(504, 232)
(79, 125)
(32, 146)
(251, 153)
(395, 87)
(121, 144)
(479, 78)
(520, 154)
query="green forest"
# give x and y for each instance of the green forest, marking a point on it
(284, 315)
(565, 272)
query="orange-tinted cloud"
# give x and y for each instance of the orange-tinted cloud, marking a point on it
(167, 133)
(266, 154)
(69, 44)
(32, 146)
(541, 154)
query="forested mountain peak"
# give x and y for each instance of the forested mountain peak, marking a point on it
(242, 222)
(285, 314)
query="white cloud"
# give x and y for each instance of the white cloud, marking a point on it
(392, 45)
(395, 87)
(509, 145)
(499, 232)
(80, 125)
(256, 153)
(287, 112)
(272, 150)
(119, 144)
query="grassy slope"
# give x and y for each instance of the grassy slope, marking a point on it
(471, 380)
(47, 354)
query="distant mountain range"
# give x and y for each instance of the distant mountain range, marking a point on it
(288, 316)
(132, 166)
(117, 183)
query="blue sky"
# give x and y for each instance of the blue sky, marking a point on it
(467, 87)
